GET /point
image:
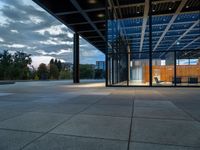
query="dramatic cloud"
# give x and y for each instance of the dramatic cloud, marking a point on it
(25, 26)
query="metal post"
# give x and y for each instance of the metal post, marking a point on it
(174, 68)
(128, 65)
(106, 53)
(76, 74)
(150, 42)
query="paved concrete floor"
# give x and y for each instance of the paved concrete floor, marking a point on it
(58, 115)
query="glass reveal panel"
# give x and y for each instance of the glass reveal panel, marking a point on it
(139, 69)
(163, 68)
(188, 68)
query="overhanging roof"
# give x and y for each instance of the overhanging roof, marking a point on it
(173, 21)
(81, 16)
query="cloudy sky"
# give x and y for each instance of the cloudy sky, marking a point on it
(25, 26)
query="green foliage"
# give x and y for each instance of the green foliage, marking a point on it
(21, 60)
(36, 77)
(59, 65)
(99, 74)
(6, 63)
(86, 71)
(42, 71)
(17, 66)
(65, 74)
(53, 71)
(56, 62)
(51, 61)
(14, 66)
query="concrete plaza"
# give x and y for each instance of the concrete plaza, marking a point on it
(59, 115)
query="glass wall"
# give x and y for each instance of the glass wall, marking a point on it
(139, 69)
(118, 55)
(188, 68)
(153, 44)
(163, 68)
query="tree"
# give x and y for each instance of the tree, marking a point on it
(65, 74)
(33, 73)
(6, 62)
(42, 71)
(56, 62)
(86, 71)
(99, 74)
(14, 66)
(21, 62)
(51, 61)
(59, 65)
(53, 71)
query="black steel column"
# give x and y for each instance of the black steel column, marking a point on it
(174, 68)
(76, 74)
(150, 43)
(128, 65)
(113, 69)
(106, 43)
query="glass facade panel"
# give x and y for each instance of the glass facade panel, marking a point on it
(163, 68)
(139, 69)
(156, 43)
(188, 68)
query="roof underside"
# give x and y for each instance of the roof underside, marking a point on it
(173, 21)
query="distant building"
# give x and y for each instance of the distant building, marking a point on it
(100, 65)
(67, 66)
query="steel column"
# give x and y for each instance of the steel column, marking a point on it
(76, 72)
(174, 68)
(107, 59)
(150, 43)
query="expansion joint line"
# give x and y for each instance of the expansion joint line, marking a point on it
(130, 129)
(45, 133)
(185, 111)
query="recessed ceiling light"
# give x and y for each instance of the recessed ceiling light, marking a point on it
(100, 15)
(92, 1)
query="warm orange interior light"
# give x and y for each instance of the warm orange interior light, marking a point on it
(92, 1)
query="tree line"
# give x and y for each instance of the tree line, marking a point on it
(54, 71)
(14, 66)
(18, 66)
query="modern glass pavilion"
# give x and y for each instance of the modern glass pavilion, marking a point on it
(146, 42)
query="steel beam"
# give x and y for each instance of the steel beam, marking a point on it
(84, 14)
(144, 23)
(182, 4)
(186, 32)
(198, 38)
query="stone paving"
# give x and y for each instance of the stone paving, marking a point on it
(58, 115)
